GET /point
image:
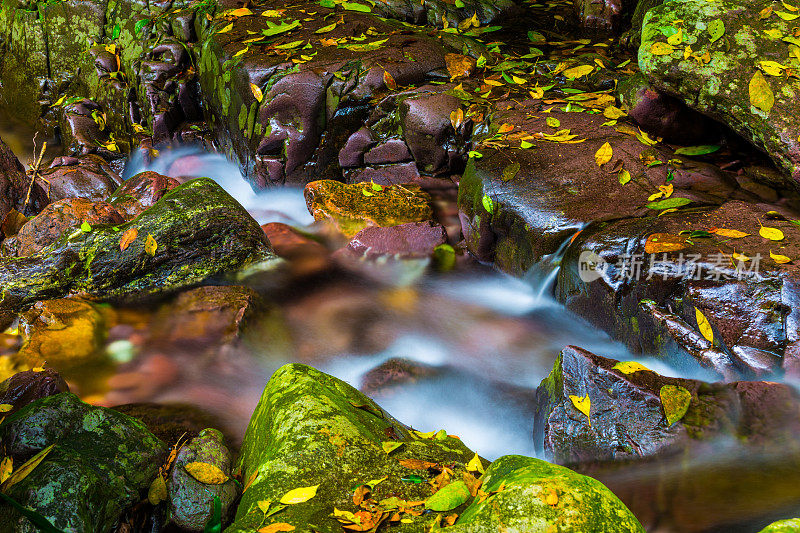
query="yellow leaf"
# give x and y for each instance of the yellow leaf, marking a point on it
(299, 495)
(577, 72)
(150, 245)
(773, 234)
(457, 118)
(5, 407)
(675, 400)
(661, 49)
(475, 465)
(272, 13)
(206, 473)
(613, 112)
(773, 68)
(23, 471)
(242, 52)
(390, 445)
(676, 38)
(603, 154)
(629, 367)
(257, 94)
(703, 325)
(740, 257)
(389, 80)
(226, 29)
(6, 466)
(584, 405)
(158, 491)
(732, 233)
(518, 80)
(276, 528)
(241, 12)
(664, 242)
(505, 128)
(761, 95)
(778, 258)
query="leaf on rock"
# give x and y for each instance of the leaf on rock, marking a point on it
(761, 95)
(299, 495)
(388, 79)
(127, 238)
(629, 367)
(624, 176)
(675, 400)
(488, 203)
(582, 404)
(449, 497)
(510, 172)
(669, 203)
(731, 233)
(773, 234)
(6, 467)
(157, 492)
(226, 29)
(664, 242)
(614, 113)
(704, 325)
(241, 12)
(778, 258)
(206, 473)
(459, 65)
(150, 245)
(773, 68)
(355, 6)
(661, 49)
(391, 445)
(698, 150)
(603, 154)
(475, 465)
(23, 471)
(257, 94)
(577, 72)
(326, 29)
(276, 528)
(716, 29)
(5, 407)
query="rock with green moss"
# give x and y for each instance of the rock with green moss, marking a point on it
(729, 63)
(531, 495)
(102, 463)
(313, 430)
(193, 233)
(351, 208)
(791, 525)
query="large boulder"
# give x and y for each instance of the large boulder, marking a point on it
(193, 233)
(730, 64)
(102, 463)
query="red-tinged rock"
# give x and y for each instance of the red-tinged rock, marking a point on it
(140, 192)
(89, 177)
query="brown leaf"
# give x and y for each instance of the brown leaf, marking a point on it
(13, 221)
(664, 242)
(360, 494)
(417, 464)
(276, 528)
(459, 66)
(473, 483)
(127, 238)
(389, 80)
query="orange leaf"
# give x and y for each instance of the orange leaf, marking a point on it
(127, 238)
(664, 242)
(505, 128)
(276, 528)
(389, 80)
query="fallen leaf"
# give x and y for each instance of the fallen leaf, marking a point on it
(716, 29)
(698, 150)
(6, 467)
(505, 128)
(584, 405)
(761, 95)
(226, 29)
(459, 66)
(669, 203)
(299, 495)
(773, 68)
(703, 325)
(276, 528)
(241, 12)
(778, 258)
(416, 464)
(510, 171)
(127, 238)
(732, 233)
(449, 497)
(5, 407)
(577, 72)
(206, 473)
(661, 49)
(475, 465)
(624, 177)
(773, 234)
(488, 203)
(389, 80)
(603, 154)
(157, 492)
(150, 245)
(390, 446)
(614, 113)
(27, 467)
(629, 367)
(675, 400)
(664, 242)
(257, 94)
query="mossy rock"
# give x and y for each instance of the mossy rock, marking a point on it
(200, 233)
(102, 463)
(352, 208)
(537, 496)
(310, 429)
(791, 525)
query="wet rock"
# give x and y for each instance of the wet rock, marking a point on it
(602, 15)
(26, 387)
(406, 241)
(89, 177)
(62, 218)
(395, 371)
(350, 210)
(199, 233)
(141, 192)
(628, 412)
(204, 319)
(170, 422)
(14, 185)
(665, 116)
(65, 332)
(720, 85)
(305, 255)
(190, 501)
(313, 429)
(102, 463)
(789, 525)
(537, 495)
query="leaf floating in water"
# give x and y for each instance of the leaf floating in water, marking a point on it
(206, 473)
(390, 446)
(629, 367)
(449, 497)
(584, 405)
(704, 325)
(675, 400)
(299, 495)
(23, 471)
(127, 238)
(150, 245)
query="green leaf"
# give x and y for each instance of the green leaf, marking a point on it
(624, 177)
(214, 524)
(716, 29)
(390, 445)
(510, 172)
(488, 203)
(115, 31)
(444, 257)
(330, 4)
(460, 4)
(698, 150)
(86, 227)
(675, 400)
(669, 203)
(326, 29)
(38, 520)
(139, 25)
(355, 6)
(474, 154)
(277, 29)
(449, 497)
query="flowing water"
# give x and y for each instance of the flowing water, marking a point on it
(470, 347)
